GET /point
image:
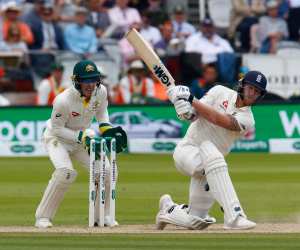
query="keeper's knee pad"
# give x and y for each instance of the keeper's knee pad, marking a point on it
(64, 175)
(54, 193)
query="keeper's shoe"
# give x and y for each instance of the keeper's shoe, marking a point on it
(241, 223)
(108, 223)
(43, 223)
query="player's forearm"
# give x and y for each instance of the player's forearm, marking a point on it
(213, 116)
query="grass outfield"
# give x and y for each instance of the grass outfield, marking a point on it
(268, 187)
(150, 242)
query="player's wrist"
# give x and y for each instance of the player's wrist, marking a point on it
(104, 127)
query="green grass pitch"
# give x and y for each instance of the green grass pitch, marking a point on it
(268, 187)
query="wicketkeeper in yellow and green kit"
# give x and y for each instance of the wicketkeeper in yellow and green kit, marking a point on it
(67, 136)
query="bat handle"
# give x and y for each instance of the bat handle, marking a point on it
(187, 116)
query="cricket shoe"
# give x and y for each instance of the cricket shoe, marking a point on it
(172, 213)
(240, 223)
(43, 223)
(165, 202)
(209, 221)
(109, 223)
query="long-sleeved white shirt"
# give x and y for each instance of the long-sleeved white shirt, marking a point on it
(69, 114)
(223, 100)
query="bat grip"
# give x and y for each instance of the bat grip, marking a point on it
(189, 116)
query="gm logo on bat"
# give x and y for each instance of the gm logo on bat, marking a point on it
(160, 73)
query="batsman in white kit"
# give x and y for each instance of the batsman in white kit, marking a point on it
(67, 137)
(218, 119)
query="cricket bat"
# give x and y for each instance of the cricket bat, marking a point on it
(155, 65)
(150, 58)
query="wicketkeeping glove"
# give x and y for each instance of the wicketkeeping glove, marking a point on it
(85, 135)
(120, 135)
(85, 138)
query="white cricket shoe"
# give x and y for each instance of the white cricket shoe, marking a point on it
(172, 213)
(165, 202)
(108, 223)
(43, 223)
(210, 220)
(241, 223)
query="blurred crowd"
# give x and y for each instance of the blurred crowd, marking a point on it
(34, 35)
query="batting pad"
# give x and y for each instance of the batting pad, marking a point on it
(222, 189)
(219, 181)
(200, 200)
(54, 193)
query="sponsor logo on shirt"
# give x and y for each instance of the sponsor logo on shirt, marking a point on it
(74, 114)
(224, 105)
(95, 105)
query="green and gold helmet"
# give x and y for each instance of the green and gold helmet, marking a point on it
(86, 71)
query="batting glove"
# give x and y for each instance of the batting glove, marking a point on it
(180, 92)
(184, 110)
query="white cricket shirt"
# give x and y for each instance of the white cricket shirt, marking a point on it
(70, 115)
(223, 100)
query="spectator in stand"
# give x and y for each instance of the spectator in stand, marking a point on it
(127, 51)
(181, 28)
(48, 35)
(98, 16)
(271, 29)
(244, 14)
(209, 78)
(50, 87)
(294, 19)
(122, 17)
(64, 12)
(12, 23)
(1, 25)
(168, 45)
(136, 87)
(157, 14)
(80, 37)
(160, 93)
(283, 8)
(207, 42)
(13, 40)
(139, 5)
(149, 32)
